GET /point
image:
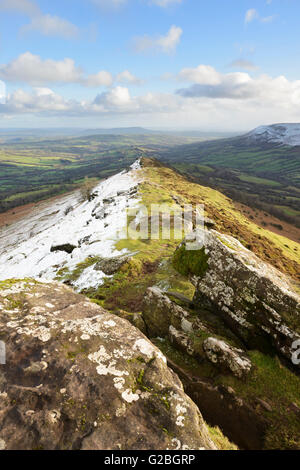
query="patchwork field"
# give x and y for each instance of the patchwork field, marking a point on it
(34, 169)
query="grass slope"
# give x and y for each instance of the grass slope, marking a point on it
(152, 264)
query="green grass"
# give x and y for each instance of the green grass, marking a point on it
(193, 262)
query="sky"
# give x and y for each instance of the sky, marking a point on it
(171, 64)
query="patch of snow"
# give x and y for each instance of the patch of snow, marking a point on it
(283, 134)
(25, 246)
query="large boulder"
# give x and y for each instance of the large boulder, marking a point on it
(77, 377)
(258, 302)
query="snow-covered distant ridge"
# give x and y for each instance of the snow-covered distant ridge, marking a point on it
(92, 227)
(281, 134)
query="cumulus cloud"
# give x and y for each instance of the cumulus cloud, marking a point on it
(239, 86)
(47, 25)
(128, 77)
(203, 75)
(166, 44)
(102, 78)
(33, 70)
(226, 101)
(117, 97)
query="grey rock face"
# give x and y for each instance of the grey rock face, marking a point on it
(77, 377)
(254, 298)
(222, 354)
(159, 312)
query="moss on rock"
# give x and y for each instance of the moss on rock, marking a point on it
(190, 262)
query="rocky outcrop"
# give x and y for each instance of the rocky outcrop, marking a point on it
(77, 377)
(186, 332)
(67, 247)
(110, 266)
(223, 355)
(159, 312)
(256, 300)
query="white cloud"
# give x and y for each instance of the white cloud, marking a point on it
(128, 77)
(102, 78)
(243, 64)
(49, 25)
(166, 44)
(236, 101)
(251, 15)
(45, 24)
(203, 75)
(33, 70)
(241, 86)
(2, 92)
(117, 97)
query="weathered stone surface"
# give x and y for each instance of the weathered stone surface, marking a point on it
(111, 265)
(181, 341)
(77, 377)
(225, 356)
(254, 298)
(159, 312)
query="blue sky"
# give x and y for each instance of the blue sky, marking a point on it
(210, 65)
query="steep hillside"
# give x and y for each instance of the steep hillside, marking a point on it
(260, 169)
(265, 151)
(226, 316)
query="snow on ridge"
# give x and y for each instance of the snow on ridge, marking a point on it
(92, 227)
(283, 134)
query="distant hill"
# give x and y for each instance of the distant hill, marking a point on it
(282, 134)
(268, 151)
(121, 131)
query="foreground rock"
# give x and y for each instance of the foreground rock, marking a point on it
(223, 355)
(77, 377)
(256, 300)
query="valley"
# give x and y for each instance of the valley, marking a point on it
(35, 168)
(261, 173)
(226, 332)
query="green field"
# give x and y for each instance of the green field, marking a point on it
(265, 177)
(33, 169)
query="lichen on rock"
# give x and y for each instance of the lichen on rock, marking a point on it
(223, 355)
(77, 377)
(256, 300)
